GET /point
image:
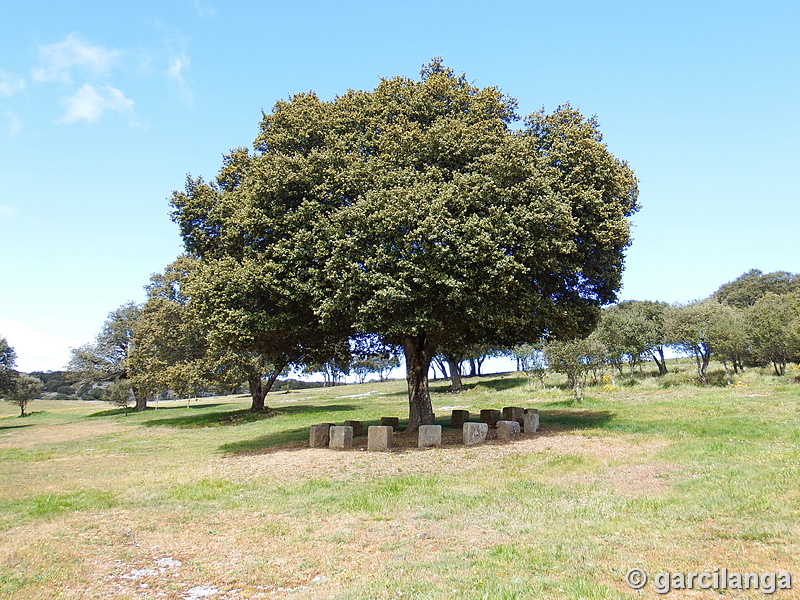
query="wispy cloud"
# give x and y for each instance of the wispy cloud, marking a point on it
(177, 65)
(10, 84)
(89, 104)
(204, 10)
(14, 125)
(57, 61)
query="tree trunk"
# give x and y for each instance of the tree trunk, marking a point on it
(702, 359)
(455, 373)
(257, 393)
(472, 368)
(479, 364)
(727, 372)
(140, 398)
(657, 354)
(418, 351)
(259, 390)
(440, 363)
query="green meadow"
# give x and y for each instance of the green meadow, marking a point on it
(204, 500)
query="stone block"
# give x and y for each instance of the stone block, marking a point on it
(393, 422)
(358, 427)
(490, 416)
(514, 413)
(531, 424)
(507, 429)
(458, 418)
(429, 435)
(341, 437)
(379, 437)
(319, 436)
(474, 433)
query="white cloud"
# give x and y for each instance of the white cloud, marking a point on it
(175, 72)
(56, 61)
(14, 126)
(10, 84)
(89, 103)
(36, 350)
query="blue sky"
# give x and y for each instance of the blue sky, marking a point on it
(105, 107)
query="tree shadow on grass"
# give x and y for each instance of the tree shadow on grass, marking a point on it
(285, 439)
(15, 425)
(295, 438)
(552, 422)
(222, 418)
(566, 420)
(295, 409)
(112, 412)
(497, 385)
(501, 383)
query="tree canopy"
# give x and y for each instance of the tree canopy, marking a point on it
(414, 212)
(8, 360)
(107, 358)
(753, 285)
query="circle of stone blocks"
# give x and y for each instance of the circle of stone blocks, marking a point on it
(458, 418)
(319, 436)
(393, 422)
(379, 437)
(507, 429)
(429, 435)
(358, 427)
(341, 437)
(490, 416)
(474, 433)
(531, 424)
(514, 413)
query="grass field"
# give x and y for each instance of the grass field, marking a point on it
(210, 502)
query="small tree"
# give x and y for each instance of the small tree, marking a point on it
(575, 359)
(531, 360)
(120, 394)
(698, 329)
(107, 358)
(8, 360)
(24, 389)
(769, 330)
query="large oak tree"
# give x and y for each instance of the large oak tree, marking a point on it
(415, 212)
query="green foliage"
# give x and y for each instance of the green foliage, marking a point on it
(531, 360)
(105, 358)
(748, 288)
(632, 330)
(412, 212)
(170, 350)
(22, 390)
(120, 394)
(773, 328)
(699, 329)
(8, 360)
(576, 358)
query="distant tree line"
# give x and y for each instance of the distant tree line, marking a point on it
(751, 321)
